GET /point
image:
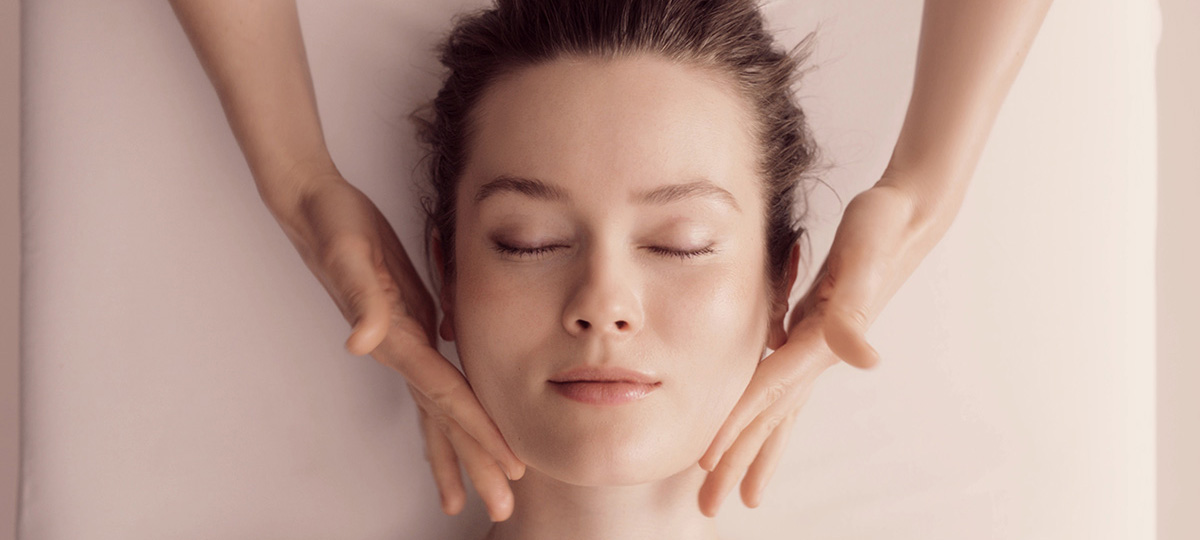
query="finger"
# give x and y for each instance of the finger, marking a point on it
(734, 463)
(370, 327)
(774, 377)
(367, 306)
(763, 467)
(444, 386)
(866, 265)
(485, 473)
(845, 337)
(420, 363)
(418, 303)
(442, 459)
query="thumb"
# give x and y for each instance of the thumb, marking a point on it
(858, 270)
(846, 340)
(368, 306)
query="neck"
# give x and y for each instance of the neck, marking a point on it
(546, 508)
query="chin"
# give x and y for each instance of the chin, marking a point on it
(608, 456)
(596, 472)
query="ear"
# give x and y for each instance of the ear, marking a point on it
(446, 291)
(777, 333)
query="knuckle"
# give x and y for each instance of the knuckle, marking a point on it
(443, 398)
(773, 421)
(443, 423)
(354, 298)
(776, 391)
(860, 317)
(739, 461)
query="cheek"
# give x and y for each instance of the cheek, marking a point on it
(715, 325)
(500, 327)
(719, 309)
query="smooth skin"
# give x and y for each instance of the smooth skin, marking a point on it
(253, 52)
(968, 56)
(969, 53)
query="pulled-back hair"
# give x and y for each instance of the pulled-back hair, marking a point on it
(727, 36)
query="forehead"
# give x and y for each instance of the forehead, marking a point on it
(623, 124)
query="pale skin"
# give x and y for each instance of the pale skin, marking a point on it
(602, 282)
(969, 54)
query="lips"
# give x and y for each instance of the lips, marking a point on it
(604, 386)
(604, 374)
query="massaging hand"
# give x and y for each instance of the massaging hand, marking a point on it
(968, 56)
(875, 249)
(350, 247)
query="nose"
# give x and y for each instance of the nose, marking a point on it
(605, 301)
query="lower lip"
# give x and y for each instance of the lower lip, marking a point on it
(604, 393)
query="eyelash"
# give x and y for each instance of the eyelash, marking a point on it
(522, 252)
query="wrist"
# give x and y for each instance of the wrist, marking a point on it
(282, 187)
(934, 190)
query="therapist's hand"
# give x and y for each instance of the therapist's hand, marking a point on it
(967, 58)
(351, 248)
(876, 247)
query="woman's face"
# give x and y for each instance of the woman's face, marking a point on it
(609, 169)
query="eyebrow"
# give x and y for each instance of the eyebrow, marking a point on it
(661, 195)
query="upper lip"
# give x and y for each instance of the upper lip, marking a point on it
(604, 374)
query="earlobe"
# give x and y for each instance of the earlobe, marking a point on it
(777, 334)
(445, 292)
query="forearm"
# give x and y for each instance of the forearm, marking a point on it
(969, 53)
(254, 55)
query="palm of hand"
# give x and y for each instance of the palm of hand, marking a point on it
(874, 250)
(351, 248)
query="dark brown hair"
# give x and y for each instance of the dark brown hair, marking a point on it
(727, 36)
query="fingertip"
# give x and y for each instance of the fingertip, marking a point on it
(703, 507)
(751, 495)
(452, 505)
(515, 470)
(363, 338)
(866, 355)
(354, 342)
(709, 502)
(712, 457)
(869, 359)
(352, 345)
(502, 508)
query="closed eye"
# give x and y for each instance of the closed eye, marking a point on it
(682, 254)
(524, 252)
(539, 251)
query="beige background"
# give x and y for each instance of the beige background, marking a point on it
(10, 250)
(1178, 266)
(1178, 193)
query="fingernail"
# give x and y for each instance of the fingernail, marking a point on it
(513, 472)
